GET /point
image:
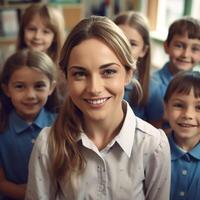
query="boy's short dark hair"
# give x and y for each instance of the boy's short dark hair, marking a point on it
(186, 24)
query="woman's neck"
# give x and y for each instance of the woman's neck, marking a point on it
(102, 132)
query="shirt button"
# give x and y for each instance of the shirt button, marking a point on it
(184, 172)
(182, 193)
(101, 188)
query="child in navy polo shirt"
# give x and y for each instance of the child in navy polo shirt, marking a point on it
(28, 103)
(182, 109)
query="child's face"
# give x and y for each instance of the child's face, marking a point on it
(96, 80)
(37, 36)
(137, 43)
(184, 53)
(183, 113)
(28, 90)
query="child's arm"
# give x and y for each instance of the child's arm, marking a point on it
(11, 189)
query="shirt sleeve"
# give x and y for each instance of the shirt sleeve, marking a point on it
(41, 184)
(158, 171)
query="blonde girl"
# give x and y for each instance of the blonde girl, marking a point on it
(42, 28)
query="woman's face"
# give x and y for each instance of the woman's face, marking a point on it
(137, 43)
(96, 80)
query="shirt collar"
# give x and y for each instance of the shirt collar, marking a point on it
(20, 125)
(176, 153)
(125, 137)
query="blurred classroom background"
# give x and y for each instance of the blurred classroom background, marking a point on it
(160, 14)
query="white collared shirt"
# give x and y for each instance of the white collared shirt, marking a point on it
(134, 165)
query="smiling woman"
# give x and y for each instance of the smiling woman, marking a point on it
(98, 147)
(96, 86)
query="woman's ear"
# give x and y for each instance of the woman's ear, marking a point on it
(129, 76)
(52, 87)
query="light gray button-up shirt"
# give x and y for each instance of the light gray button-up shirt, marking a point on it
(134, 166)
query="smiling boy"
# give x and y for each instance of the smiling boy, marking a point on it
(183, 47)
(182, 109)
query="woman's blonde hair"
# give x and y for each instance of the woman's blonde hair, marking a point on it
(64, 148)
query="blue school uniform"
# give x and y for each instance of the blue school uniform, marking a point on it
(157, 88)
(16, 144)
(185, 169)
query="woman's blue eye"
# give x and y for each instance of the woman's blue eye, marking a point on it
(79, 74)
(109, 72)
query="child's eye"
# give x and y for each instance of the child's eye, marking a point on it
(47, 31)
(30, 28)
(195, 49)
(197, 108)
(178, 105)
(179, 45)
(19, 86)
(40, 86)
(133, 44)
(109, 72)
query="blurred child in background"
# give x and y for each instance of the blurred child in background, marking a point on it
(183, 47)
(28, 103)
(42, 28)
(135, 27)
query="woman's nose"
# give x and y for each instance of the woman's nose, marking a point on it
(95, 85)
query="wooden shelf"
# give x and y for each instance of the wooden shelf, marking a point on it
(7, 40)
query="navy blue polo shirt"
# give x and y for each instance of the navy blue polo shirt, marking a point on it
(158, 85)
(16, 144)
(185, 169)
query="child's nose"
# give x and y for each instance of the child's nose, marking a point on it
(37, 34)
(186, 52)
(189, 113)
(30, 93)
